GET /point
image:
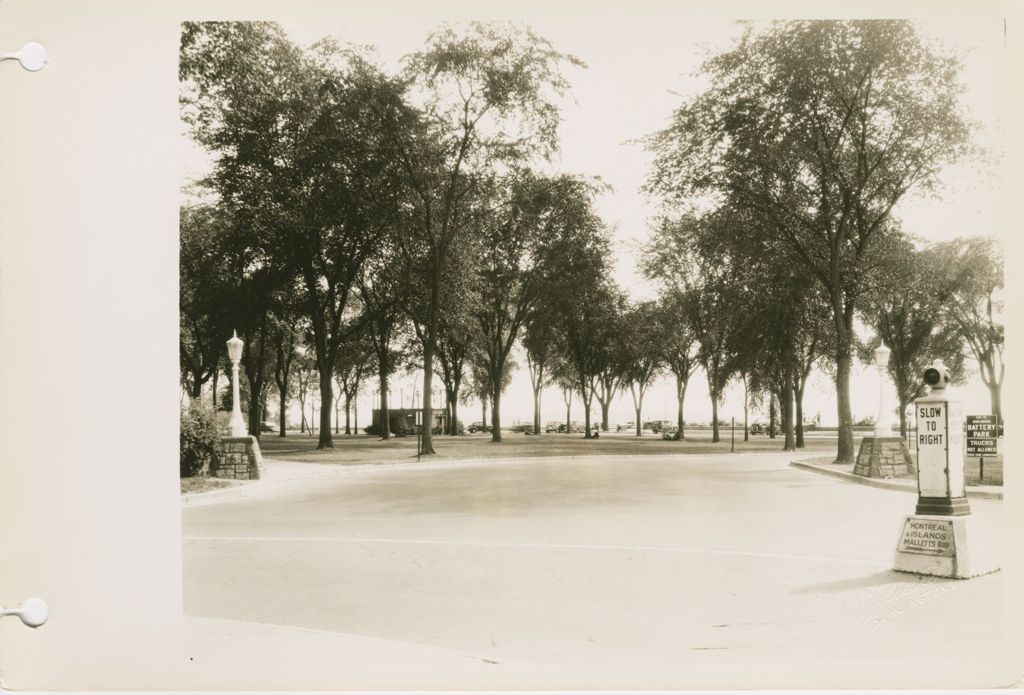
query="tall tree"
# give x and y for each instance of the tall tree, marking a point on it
(679, 348)
(454, 344)
(641, 350)
(522, 242)
(297, 159)
(204, 316)
(287, 337)
(902, 310)
(539, 344)
(612, 374)
(487, 96)
(711, 303)
(970, 271)
(353, 365)
(820, 128)
(383, 291)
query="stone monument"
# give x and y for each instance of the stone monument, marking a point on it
(883, 455)
(934, 540)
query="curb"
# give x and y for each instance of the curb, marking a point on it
(973, 491)
(251, 488)
(263, 485)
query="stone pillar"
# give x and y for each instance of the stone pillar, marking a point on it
(239, 459)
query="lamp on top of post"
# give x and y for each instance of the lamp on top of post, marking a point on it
(237, 424)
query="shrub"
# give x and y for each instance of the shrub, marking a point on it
(199, 440)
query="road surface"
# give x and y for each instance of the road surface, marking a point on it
(679, 563)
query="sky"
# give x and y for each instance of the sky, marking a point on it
(641, 62)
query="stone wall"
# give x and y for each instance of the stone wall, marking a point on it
(239, 459)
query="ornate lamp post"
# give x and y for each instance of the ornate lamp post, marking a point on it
(883, 423)
(237, 424)
(883, 455)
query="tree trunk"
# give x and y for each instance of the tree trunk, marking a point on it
(714, 405)
(385, 414)
(680, 397)
(536, 412)
(483, 411)
(746, 411)
(771, 416)
(216, 375)
(586, 416)
(326, 403)
(496, 415)
(427, 442)
(196, 392)
(787, 411)
(844, 452)
(639, 423)
(348, 411)
(355, 414)
(996, 400)
(903, 414)
(605, 405)
(799, 393)
(283, 419)
(255, 412)
(714, 418)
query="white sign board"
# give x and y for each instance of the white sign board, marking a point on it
(927, 537)
(940, 449)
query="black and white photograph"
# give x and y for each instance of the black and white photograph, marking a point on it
(532, 346)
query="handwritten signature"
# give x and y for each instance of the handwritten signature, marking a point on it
(885, 603)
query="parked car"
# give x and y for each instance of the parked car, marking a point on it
(552, 427)
(266, 427)
(475, 427)
(669, 433)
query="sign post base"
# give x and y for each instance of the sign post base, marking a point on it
(945, 546)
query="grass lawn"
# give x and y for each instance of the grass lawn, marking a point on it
(201, 483)
(364, 448)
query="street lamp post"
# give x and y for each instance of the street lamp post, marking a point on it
(883, 455)
(883, 423)
(237, 424)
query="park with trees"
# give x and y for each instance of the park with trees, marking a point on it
(358, 223)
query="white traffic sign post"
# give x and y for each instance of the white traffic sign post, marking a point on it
(934, 540)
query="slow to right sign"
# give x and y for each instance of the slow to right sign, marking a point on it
(981, 435)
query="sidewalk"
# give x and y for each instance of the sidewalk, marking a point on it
(845, 472)
(274, 473)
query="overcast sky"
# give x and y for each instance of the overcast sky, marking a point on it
(641, 61)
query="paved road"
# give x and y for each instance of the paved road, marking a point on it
(700, 561)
